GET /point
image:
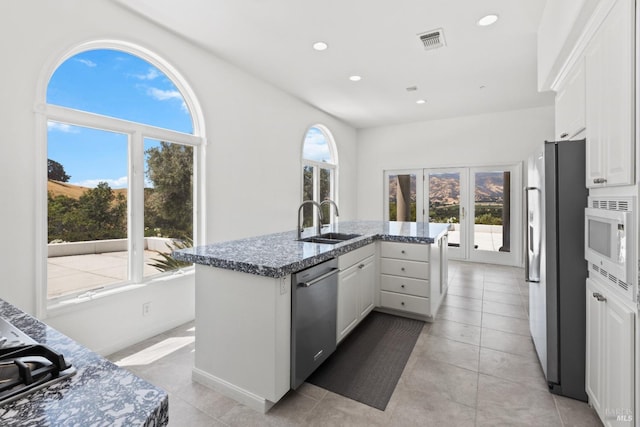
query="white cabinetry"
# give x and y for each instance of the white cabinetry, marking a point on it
(610, 355)
(610, 99)
(570, 104)
(412, 278)
(356, 288)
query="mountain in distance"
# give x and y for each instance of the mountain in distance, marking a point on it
(444, 188)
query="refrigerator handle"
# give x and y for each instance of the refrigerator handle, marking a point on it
(527, 278)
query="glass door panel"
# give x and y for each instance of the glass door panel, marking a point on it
(445, 194)
(494, 223)
(403, 200)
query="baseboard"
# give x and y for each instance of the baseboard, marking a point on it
(236, 393)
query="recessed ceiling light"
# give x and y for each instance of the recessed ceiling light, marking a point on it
(320, 46)
(355, 78)
(485, 21)
(421, 101)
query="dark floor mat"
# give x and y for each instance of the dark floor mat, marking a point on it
(368, 363)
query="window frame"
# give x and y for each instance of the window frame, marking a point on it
(316, 166)
(136, 133)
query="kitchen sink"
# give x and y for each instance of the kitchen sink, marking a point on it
(339, 236)
(330, 238)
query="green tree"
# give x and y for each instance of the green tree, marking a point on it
(97, 215)
(169, 206)
(56, 171)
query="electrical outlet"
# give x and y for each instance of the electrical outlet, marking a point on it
(146, 308)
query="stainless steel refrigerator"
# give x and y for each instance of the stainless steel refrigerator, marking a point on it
(555, 266)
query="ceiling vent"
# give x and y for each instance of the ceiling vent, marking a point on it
(432, 39)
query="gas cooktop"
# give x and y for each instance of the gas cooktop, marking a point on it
(25, 365)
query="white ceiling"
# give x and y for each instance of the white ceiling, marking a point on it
(377, 39)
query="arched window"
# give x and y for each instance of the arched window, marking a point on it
(123, 138)
(319, 173)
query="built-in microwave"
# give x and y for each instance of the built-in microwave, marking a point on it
(609, 244)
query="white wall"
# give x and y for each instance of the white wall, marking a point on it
(254, 133)
(561, 25)
(498, 138)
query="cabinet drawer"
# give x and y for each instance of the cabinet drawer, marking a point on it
(397, 267)
(347, 260)
(404, 302)
(404, 285)
(407, 251)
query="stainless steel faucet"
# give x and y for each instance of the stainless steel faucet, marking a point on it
(299, 227)
(333, 203)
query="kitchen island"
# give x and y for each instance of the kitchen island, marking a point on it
(99, 394)
(243, 299)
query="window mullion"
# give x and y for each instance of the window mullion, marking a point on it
(135, 207)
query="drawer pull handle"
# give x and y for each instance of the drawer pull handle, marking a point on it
(402, 286)
(599, 180)
(402, 303)
(402, 251)
(361, 266)
(402, 269)
(599, 297)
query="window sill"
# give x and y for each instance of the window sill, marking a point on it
(65, 305)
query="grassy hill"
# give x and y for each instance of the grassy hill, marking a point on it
(57, 188)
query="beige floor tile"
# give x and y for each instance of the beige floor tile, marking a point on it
(504, 403)
(465, 291)
(525, 370)
(502, 297)
(575, 413)
(457, 331)
(453, 352)
(451, 382)
(182, 414)
(504, 309)
(507, 342)
(460, 315)
(502, 287)
(462, 302)
(506, 324)
(429, 408)
(339, 411)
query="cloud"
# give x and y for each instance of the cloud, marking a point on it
(121, 182)
(316, 146)
(86, 62)
(167, 95)
(62, 127)
(151, 74)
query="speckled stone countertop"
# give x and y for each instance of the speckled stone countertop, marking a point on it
(99, 394)
(276, 255)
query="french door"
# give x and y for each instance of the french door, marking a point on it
(481, 205)
(446, 193)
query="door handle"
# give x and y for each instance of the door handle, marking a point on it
(527, 267)
(318, 279)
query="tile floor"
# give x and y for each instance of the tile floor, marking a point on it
(474, 366)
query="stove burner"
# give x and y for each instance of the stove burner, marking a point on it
(27, 366)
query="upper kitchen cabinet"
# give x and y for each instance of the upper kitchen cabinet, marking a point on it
(609, 68)
(570, 104)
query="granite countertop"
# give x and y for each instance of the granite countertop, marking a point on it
(279, 254)
(99, 394)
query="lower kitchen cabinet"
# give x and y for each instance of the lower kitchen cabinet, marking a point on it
(610, 359)
(356, 288)
(413, 276)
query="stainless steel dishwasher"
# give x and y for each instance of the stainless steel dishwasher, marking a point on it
(314, 300)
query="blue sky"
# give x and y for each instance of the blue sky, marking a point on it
(116, 84)
(315, 146)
